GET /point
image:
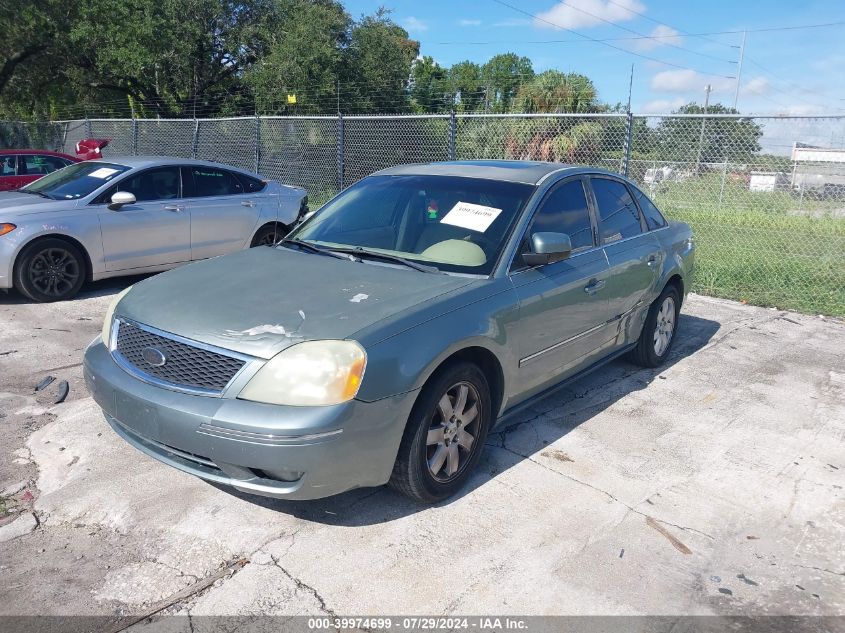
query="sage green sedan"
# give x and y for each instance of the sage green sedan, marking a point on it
(383, 339)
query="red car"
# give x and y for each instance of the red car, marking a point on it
(19, 167)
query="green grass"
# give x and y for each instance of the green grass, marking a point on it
(768, 249)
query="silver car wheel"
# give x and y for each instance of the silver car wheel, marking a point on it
(665, 326)
(451, 434)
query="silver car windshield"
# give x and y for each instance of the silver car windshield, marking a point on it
(75, 181)
(454, 224)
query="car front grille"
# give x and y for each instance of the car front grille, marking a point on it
(186, 366)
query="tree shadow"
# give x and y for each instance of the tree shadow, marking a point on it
(369, 506)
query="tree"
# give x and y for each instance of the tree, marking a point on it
(302, 51)
(724, 139)
(379, 65)
(554, 91)
(430, 90)
(502, 76)
(467, 86)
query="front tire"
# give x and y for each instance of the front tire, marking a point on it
(445, 435)
(50, 270)
(659, 330)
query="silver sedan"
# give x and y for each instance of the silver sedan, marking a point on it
(124, 216)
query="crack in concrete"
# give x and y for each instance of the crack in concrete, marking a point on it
(305, 587)
(606, 493)
(829, 571)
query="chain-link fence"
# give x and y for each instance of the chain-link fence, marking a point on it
(765, 195)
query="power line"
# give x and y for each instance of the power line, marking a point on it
(643, 35)
(598, 41)
(654, 37)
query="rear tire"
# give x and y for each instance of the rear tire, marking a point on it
(445, 435)
(50, 270)
(659, 329)
(268, 235)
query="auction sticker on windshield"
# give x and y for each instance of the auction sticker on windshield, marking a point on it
(475, 217)
(102, 172)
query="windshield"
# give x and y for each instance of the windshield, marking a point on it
(75, 181)
(454, 224)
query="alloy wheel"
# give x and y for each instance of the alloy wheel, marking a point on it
(451, 435)
(665, 326)
(54, 271)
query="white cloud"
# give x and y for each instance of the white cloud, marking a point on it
(664, 35)
(688, 81)
(756, 86)
(573, 14)
(663, 106)
(469, 22)
(414, 24)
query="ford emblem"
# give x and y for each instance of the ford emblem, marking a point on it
(154, 356)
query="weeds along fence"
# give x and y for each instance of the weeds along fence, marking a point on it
(765, 195)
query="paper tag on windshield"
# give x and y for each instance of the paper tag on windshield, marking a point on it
(475, 217)
(102, 172)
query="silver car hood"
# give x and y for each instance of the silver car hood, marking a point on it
(262, 300)
(14, 204)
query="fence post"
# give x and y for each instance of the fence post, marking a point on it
(257, 143)
(626, 146)
(341, 143)
(135, 136)
(453, 134)
(88, 133)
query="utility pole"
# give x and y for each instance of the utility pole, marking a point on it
(630, 87)
(707, 90)
(739, 67)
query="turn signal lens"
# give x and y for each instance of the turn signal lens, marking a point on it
(7, 228)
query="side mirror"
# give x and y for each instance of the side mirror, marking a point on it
(548, 248)
(120, 199)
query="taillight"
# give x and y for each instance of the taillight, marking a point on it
(7, 228)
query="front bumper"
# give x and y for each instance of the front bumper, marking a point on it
(274, 451)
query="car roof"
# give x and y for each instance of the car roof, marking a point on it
(43, 152)
(139, 162)
(524, 171)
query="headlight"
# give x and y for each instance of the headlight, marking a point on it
(312, 373)
(107, 323)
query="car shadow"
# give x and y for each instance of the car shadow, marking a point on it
(90, 290)
(369, 506)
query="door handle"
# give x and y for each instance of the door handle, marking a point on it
(247, 203)
(594, 286)
(173, 207)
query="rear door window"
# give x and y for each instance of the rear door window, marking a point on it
(215, 182)
(619, 217)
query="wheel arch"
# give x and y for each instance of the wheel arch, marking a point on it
(89, 268)
(282, 228)
(487, 362)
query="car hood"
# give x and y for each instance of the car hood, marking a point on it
(15, 204)
(262, 300)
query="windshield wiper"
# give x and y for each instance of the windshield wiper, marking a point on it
(361, 252)
(308, 246)
(35, 193)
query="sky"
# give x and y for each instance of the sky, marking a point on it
(799, 71)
